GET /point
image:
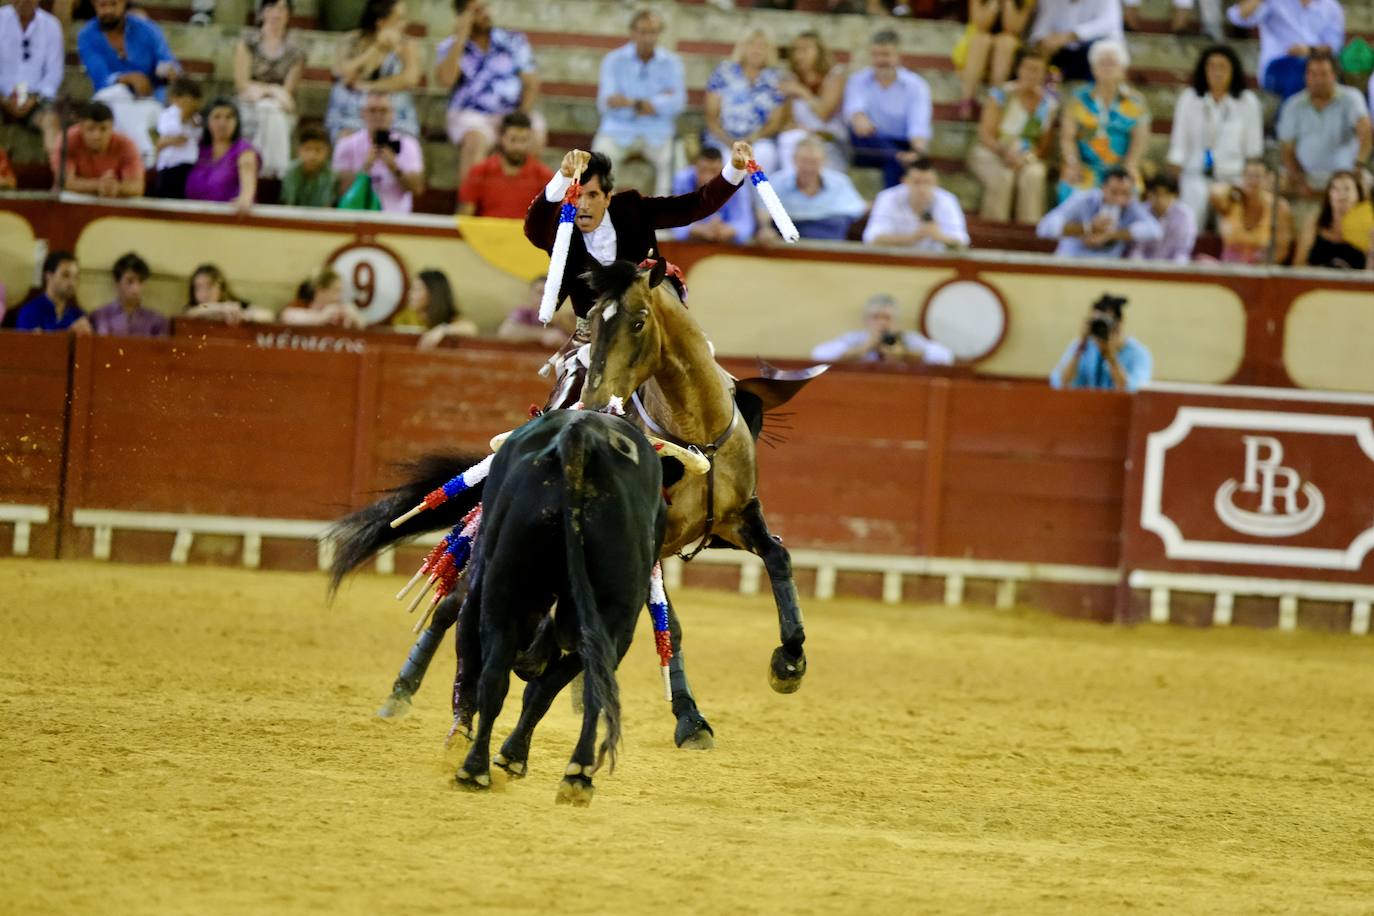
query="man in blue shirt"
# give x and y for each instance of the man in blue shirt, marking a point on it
(822, 202)
(1289, 31)
(129, 63)
(56, 308)
(641, 93)
(1103, 358)
(732, 224)
(1098, 223)
(888, 111)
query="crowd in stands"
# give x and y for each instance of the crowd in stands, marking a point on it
(1061, 141)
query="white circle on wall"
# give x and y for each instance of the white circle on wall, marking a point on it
(967, 316)
(373, 278)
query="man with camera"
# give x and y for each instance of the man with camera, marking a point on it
(1097, 223)
(880, 341)
(392, 159)
(1103, 358)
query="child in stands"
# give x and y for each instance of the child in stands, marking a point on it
(309, 180)
(178, 139)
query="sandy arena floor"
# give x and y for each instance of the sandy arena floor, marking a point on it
(203, 741)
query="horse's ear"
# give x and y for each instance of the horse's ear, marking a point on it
(658, 272)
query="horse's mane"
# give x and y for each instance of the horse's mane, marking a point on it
(612, 281)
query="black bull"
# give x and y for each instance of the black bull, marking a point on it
(573, 515)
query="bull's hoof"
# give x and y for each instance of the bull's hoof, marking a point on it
(395, 706)
(515, 769)
(576, 791)
(473, 783)
(693, 732)
(785, 671)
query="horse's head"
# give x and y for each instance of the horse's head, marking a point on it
(627, 333)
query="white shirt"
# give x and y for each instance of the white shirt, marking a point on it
(42, 71)
(169, 124)
(892, 215)
(1088, 19)
(1233, 129)
(932, 353)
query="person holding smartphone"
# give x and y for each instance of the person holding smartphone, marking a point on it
(392, 159)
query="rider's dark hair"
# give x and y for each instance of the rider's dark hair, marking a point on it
(600, 167)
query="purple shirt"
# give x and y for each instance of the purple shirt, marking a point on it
(217, 179)
(1180, 234)
(112, 321)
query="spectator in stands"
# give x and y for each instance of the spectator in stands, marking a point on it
(1016, 135)
(179, 131)
(1246, 219)
(324, 305)
(7, 179)
(378, 57)
(640, 94)
(390, 157)
(994, 31)
(31, 67)
(310, 180)
(1327, 239)
(1106, 124)
(1290, 31)
(126, 316)
(1180, 22)
(1098, 222)
(814, 86)
(1322, 130)
(1065, 31)
(822, 202)
(1177, 224)
(491, 73)
(267, 69)
(732, 224)
(744, 102)
(1218, 126)
(1103, 357)
(55, 309)
(209, 298)
(522, 324)
(880, 340)
(100, 160)
(504, 183)
(917, 213)
(888, 111)
(129, 63)
(432, 297)
(227, 168)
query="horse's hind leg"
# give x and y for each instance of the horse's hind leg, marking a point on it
(788, 665)
(539, 696)
(693, 731)
(421, 654)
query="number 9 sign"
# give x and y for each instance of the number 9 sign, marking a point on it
(374, 279)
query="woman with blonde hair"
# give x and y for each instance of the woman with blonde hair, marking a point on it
(209, 298)
(815, 86)
(325, 304)
(994, 33)
(744, 101)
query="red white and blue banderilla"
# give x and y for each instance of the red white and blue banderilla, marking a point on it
(658, 612)
(786, 228)
(562, 240)
(436, 498)
(445, 565)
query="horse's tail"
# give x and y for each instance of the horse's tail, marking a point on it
(362, 535)
(596, 647)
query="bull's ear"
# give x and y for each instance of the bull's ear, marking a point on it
(658, 272)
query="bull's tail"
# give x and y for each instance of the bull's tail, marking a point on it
(362, 535)
(597, 648)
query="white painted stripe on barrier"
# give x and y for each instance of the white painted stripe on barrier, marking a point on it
(100, 543)
(1269, 394)
(749, 575)
(1359, 618)
(825, 582)
(1159, 605)
(252, 550)
(386, 561)
(24, 518)
(1222, 609)
(954, 590)
(1006, 594)
(1242, 585)
(181, 546)
(299, 529)
(1288, 613)
(892, 587)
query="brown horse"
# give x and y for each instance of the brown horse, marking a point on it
(648, 352)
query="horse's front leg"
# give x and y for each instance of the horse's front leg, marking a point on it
(788, 665)
(412, 673)
(693, 731)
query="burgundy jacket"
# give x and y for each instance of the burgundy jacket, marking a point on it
(635, 218)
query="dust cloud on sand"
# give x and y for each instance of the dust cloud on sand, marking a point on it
(184, 740)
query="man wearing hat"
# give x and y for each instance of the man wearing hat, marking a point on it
(1103, 357)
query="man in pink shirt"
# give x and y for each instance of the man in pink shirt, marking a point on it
(392, 158)
(126, 316)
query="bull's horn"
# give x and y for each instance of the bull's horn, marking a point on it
(499, 440)
(695, 462)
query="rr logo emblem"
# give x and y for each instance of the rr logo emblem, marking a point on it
(1275, 484)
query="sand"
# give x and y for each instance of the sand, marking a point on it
(194, 740)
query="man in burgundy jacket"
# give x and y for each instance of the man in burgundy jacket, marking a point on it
(620, 227)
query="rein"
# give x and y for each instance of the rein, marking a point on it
(706, 449)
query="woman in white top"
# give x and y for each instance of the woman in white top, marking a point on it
(1218, 125)
(814, 84)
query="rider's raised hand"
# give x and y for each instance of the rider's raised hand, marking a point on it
(740, 154)
(575, 161)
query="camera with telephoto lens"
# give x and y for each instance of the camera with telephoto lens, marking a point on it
(1102, 327)
(890, 339)
(1106, 316)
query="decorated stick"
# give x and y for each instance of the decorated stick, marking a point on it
(658, 611)
(435, 498)
(786, 228)
(558, 258)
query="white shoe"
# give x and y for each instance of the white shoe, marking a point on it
(723, 5)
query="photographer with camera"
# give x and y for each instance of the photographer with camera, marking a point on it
(1103, 358)
(1097, 223)
(879, 341)
(392, 159)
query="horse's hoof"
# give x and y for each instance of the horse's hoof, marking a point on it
(395, 706)
(478, 783)
(515, 769)
(576, 791)
(693, 732)
(785, 672)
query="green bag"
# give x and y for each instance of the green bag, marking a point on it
(1357, 58)
(360, 195)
